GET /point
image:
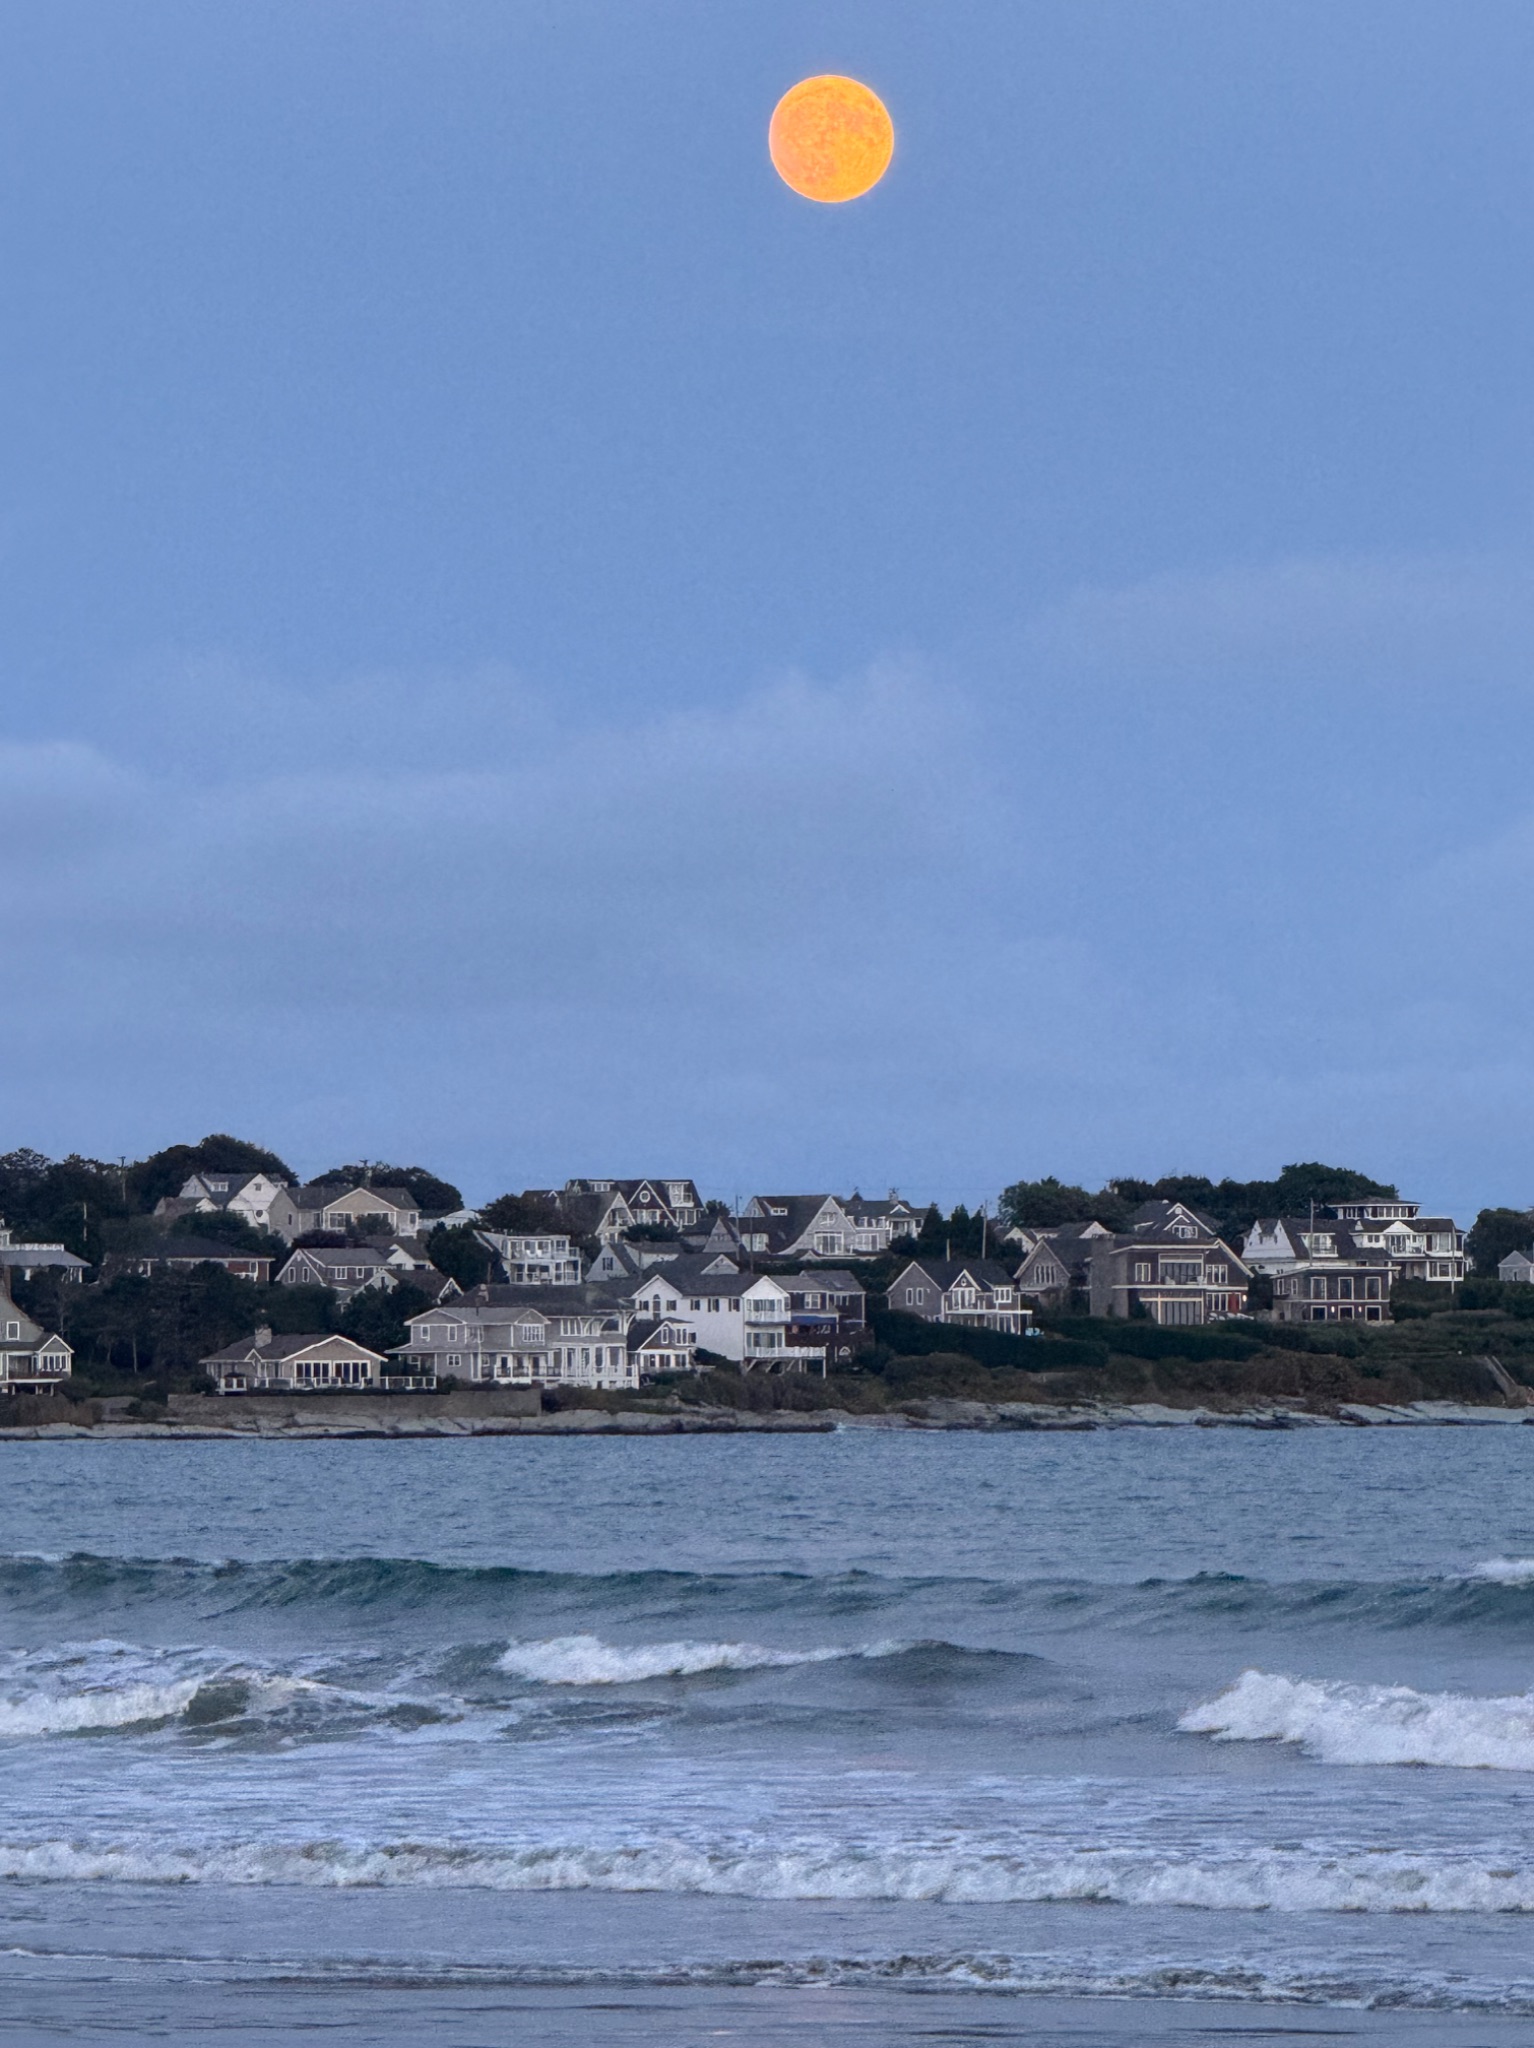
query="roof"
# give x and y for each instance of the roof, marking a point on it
(1155, 1214)
(273, 1350)
(39, 1255)
(945, 1273)
(343, 1255)
(324, 1194)
(644, 1333)
(689, 1277)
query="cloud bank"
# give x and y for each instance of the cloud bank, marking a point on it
(1159, 892)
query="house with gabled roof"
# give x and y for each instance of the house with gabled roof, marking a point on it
(797, 1227)
(32, 1360)
(544, 1336)
(301, 1362)
(1055, 1268)
(978, 1293)
(355, 1210)
(588, 1211)
(1320, 1271)
(656, 1203)
(249, 1196)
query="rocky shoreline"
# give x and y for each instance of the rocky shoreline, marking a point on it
(243, 1421)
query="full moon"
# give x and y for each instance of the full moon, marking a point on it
(831, 138)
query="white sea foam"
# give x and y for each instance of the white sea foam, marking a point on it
(115, 1706)
(1338, 1723)
(587, 1660)
(1293, 1881)
(1506, 1571)
(73, 1688)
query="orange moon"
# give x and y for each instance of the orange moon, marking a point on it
(831, 138)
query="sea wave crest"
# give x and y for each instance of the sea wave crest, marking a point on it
(1341, 1723)
(587, 1660)
(1293, 1881)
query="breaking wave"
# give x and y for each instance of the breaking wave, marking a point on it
(587, 1660)
(1277, 1880)
(1506, 1571)
(1339, 1723)
(96, 1688)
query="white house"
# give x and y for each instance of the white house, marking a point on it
(823, 1226)
(1517, 1267)
(247, 1195)
(533, 1260)
(570, 1336)
(779, 1322)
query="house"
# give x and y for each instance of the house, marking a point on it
(357, 1211)
(534, 1260)
(1055, 1268)
(309, 1362)
(1170, 1265)
(781, 1322)
(1430, 1248)
(879, 1226)
(979, 1293)
(549, 1336)
(345, 1269)
(1320, 1270)
(186, 1254)
(32, 1359)
(1517, 1267)
(247, 1195)
(348, 1269)
(820, 1227)
(588, 1211)
(671, 1204)
(21, 1261)
(622, 1260)
(661, 1347)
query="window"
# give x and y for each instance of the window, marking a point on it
(1182, 1272)
(1142, 1272)
(13, 1330)
(697, 1305)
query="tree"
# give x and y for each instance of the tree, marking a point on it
(1046, 1204)
(378, 1317)
(459, 1253)
(523, 1216)
(60, 1201)
(165, 1173)
(229, 1231)
(1494, 1234)
(433, 1197)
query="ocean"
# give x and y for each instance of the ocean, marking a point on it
(1168, 1736)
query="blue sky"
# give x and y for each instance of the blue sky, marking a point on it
(525, 646)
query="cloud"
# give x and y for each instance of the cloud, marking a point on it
(1155, 906)
(1395, 620)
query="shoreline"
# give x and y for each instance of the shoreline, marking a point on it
(974, 1417)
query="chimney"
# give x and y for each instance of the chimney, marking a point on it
(263, 1335)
